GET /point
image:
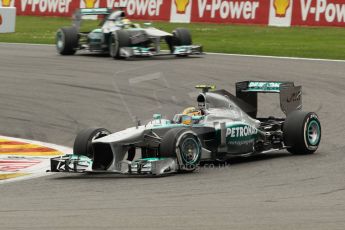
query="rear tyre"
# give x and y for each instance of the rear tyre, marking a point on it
(302, 132)
(118, 39)
(67, 40)
(185, 146)
(83, 141)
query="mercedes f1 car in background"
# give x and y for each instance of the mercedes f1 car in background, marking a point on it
(121, 38)
(223, 126)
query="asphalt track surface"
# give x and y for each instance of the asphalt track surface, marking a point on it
(48, 97)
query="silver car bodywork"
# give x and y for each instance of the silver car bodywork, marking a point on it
(97, 39)
(225, 130)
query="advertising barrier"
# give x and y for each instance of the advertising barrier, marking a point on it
(7, 19)
(264, 12)
(280, 13)
(319, 13)
(230, 11)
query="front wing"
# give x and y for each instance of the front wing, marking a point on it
(137, 51)
(82, 164)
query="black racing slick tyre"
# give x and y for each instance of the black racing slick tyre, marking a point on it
(182, 37)
(302, 132)
(67, 39)
(118, 39)
(184, 145)
(83, 141)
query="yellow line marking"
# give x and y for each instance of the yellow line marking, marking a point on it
(3, 140)
(12, 175)
(25, 147)
(53, 153)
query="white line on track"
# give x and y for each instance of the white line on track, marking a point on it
(220, 54)
(62, 149)
(25, 44)
(277, 57)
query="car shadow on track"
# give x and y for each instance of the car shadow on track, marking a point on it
(167, 57)
(83, 176)
(243, 160)
(258, 157)
(208, 164)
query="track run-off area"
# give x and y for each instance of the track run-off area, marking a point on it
(49, 98)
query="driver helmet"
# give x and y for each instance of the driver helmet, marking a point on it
(126, 22)
(186, 120)
(192, 111)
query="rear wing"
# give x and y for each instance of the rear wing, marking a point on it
(79, 13)
(290, 95)
(206, 88)
(94, 11)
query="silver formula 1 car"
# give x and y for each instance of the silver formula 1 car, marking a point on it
(121, 38)
(223, 126)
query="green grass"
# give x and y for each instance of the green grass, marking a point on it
(312, 42)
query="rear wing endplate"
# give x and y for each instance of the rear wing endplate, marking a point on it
(290, 95)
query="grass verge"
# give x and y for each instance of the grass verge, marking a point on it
(310, 42)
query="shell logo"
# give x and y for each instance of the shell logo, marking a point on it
(90, 3)
(281, 7)
(6, 3)
(181, 6)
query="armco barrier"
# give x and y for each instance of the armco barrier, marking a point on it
(264, 12)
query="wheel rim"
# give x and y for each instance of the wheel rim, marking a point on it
(190, 150)
(59, 40)
(113, 46)
(313, 132)
(100, 134)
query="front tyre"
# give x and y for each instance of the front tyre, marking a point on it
(83, 141)
(181, 37)
(118, 39)
(67, 40)
(185, 146)
(302, 132)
